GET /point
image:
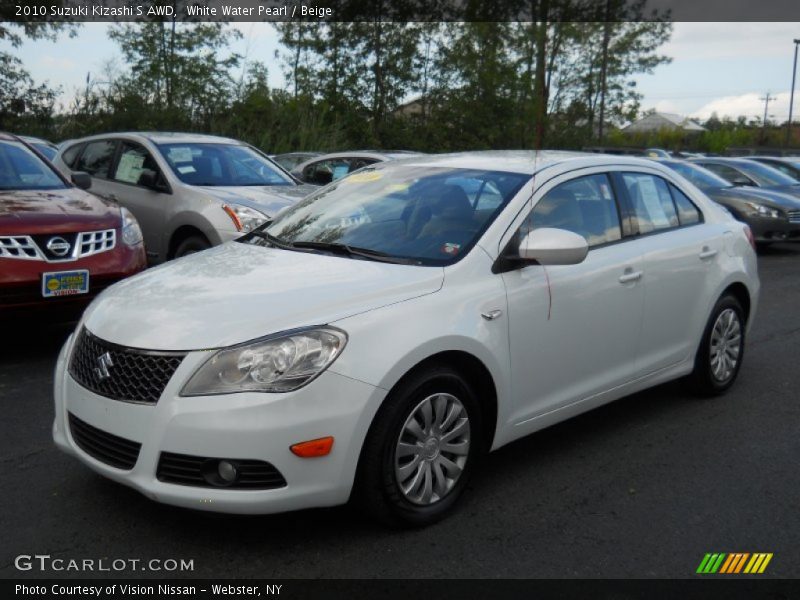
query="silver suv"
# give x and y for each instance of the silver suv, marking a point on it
(188, 191)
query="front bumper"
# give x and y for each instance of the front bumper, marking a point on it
(773, 230)
(239, 426)
(21, 280)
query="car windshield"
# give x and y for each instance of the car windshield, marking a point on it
(398, 213)
(21, 169)
(221, 165)
(764, 175)
(702, 178)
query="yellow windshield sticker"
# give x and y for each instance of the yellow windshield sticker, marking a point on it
(364, 177)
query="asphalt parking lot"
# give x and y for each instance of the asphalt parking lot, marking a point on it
(640, 488)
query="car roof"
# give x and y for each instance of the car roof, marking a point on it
(523, 161)
(165, 137)
(35, 140)
(734, 160)
(789, 159)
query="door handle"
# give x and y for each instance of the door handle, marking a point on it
(492, 314)
(630, 276)
(707, 253)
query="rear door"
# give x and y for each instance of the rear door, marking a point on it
(678, 251)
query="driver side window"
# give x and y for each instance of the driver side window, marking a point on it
(585, 206)
(133, 159)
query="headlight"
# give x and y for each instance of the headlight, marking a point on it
(764, 211)
(280, 363)
(131, 232)
(244, 219)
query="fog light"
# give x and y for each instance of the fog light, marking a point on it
(227, 471)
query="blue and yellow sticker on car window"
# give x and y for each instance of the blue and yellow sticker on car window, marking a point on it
(65, 283)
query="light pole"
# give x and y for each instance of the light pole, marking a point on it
(791, 95)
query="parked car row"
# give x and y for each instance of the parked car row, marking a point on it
(369, 339)
(773, 215)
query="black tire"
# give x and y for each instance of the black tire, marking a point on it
(192, 244)
(703, 379)
(377, 490)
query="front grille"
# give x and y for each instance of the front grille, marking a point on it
(18, 246)
(120, 373)
(183, 469)
(794, 216)
(95, 242)
(81, 245)
(105, 447)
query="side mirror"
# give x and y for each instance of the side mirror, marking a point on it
(81, 179)
(148, 178)
(550, 246)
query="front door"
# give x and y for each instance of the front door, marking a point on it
(574, 329)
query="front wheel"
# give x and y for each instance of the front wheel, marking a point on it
(421, 449)
(190, 245)
(721, 351)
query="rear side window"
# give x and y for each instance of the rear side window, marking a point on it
(688, 213)
(70, 154)
(585, 206)
(728, 173)
(651, 201)
(96, 158)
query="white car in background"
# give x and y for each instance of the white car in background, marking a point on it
(376, 338)
(188, 191)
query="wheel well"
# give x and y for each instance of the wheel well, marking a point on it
(181, 233)
(739, 291)
(474, 371)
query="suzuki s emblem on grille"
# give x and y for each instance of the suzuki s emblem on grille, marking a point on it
(58, 246)
(104, 363)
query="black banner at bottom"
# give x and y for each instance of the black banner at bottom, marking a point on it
(424, 589)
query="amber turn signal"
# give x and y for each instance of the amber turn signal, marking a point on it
(313, 448)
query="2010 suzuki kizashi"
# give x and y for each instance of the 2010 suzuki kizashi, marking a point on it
(374, 339)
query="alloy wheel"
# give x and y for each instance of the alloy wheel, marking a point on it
(726, 345)
(432, 449)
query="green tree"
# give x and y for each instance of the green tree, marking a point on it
(182, 71)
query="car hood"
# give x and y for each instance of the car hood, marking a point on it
(54, 211)
(238, 292)
(266, 199)
(771, 198)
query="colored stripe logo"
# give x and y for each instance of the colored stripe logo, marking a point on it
(734, 563)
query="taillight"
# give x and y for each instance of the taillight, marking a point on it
(750, 237)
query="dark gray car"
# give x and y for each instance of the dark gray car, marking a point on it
(746, 172)
(772, 216)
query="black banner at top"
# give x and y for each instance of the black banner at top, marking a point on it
(399, 10)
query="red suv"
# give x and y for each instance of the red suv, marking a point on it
(59, 245)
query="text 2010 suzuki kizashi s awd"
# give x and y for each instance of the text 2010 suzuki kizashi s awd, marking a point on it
(375, 338)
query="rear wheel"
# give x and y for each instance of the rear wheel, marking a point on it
(721, 351)
(421, 449)
(192, 244)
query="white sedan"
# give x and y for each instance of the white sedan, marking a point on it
(374, 339)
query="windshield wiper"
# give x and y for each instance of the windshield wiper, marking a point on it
(356, 251)
(272, 240)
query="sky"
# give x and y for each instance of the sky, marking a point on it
(726, 68)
